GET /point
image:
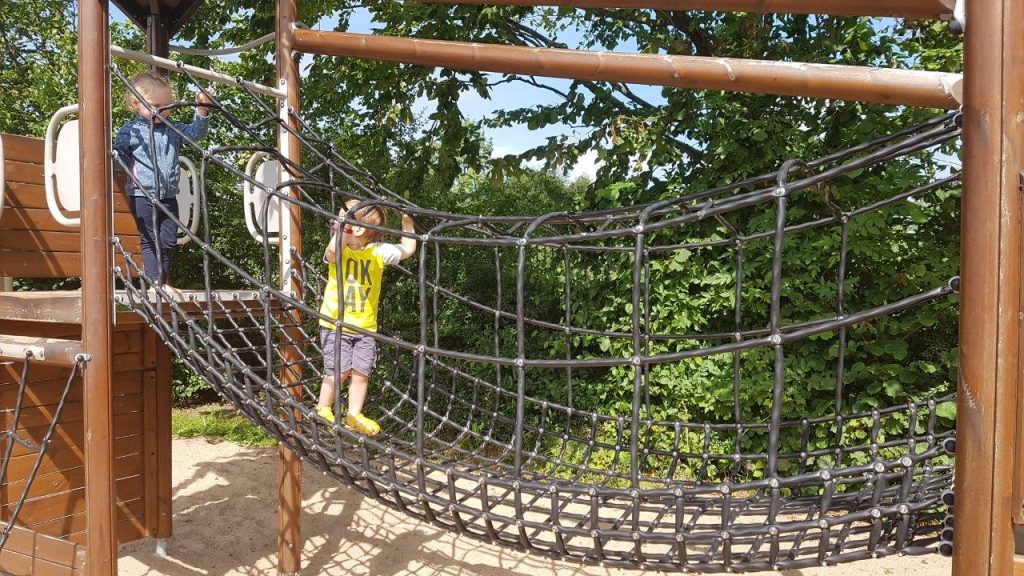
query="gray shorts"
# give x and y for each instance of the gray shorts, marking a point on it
(357, 352)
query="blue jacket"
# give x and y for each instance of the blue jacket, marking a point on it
(132, 144)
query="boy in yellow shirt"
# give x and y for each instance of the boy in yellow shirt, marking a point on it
(363, 258)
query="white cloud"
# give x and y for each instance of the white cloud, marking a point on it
(586, 166)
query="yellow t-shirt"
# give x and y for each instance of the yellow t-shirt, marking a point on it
(361, 290)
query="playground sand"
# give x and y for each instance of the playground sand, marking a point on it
(225, 522)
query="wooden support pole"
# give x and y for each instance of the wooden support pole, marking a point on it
(97, 289)
(990, 301)
(882, 85)
(289, 545)
(162, 430)
(902, 9)
(158, 398)
(158, 40)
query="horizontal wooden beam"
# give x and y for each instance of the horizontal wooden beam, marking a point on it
(66, 306)
(899, 9)
(50, 307)
(44, 350)
(880, 85)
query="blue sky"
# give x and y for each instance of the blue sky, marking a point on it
(512, 139)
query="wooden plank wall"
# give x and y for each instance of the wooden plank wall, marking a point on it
(56, 503)
(29, 553)
(32, 243)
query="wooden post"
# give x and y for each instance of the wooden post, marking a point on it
(158, 39)
(162, 431)
(158, 398)
(990, 347)
(289, 546)
(97, 289)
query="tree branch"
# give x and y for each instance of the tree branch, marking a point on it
(617, 88)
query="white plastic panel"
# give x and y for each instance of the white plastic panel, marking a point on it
(188, 200)
(68, 151)
(66, 169)
(265, 172)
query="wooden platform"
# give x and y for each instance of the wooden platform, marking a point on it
(65, 306)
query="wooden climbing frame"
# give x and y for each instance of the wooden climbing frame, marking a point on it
(990, 415)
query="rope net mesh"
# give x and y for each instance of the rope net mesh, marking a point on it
(34, 401)
(485, 379)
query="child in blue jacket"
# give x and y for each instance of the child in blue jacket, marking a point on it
(140, 148)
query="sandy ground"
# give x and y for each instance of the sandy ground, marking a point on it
(225, 522)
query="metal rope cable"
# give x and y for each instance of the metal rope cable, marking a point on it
(223, 51)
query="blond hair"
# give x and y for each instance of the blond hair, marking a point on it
(147, 84)
(373, 215)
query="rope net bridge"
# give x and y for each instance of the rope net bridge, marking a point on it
(489, 372)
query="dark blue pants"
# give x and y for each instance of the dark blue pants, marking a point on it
(159, 235)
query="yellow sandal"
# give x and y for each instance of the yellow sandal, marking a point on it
(326, 413)
(361, 423)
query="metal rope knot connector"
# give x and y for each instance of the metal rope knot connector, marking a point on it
(704, 208)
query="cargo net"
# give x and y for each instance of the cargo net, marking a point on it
(533, 386)
(34, 401)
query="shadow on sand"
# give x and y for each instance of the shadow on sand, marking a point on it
(225, 522)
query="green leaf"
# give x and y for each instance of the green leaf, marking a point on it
(946, 411)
